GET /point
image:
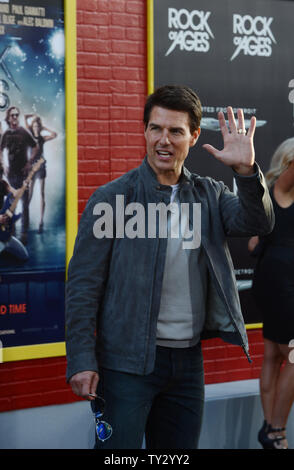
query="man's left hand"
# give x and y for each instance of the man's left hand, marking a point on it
(238, 151)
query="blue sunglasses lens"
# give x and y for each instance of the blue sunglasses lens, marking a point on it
(104, 430)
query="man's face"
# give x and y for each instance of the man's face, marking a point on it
(13, 118)
(168, 138)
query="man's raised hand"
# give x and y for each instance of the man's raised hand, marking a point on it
(238, 151)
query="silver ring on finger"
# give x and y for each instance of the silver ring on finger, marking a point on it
(241, 131)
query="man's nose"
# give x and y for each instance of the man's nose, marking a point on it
(164, 138)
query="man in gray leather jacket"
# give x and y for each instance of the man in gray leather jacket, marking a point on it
(140, 298)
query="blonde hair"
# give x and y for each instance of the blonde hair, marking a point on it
(280, 161)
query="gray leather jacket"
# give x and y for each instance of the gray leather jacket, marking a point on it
(114, 284)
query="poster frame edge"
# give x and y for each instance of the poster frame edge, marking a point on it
(56, 349)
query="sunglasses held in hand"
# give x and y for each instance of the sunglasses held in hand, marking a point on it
(103, 429)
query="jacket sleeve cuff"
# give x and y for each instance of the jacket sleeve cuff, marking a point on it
(82, 362)
(256, 172)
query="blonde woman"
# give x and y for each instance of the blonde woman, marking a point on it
(273, 290)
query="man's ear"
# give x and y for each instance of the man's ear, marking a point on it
(195, 136)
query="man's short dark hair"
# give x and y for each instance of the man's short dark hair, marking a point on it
(176, 98)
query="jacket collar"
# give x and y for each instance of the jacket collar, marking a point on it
(150, 177)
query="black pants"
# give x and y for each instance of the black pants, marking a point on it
(166, 405)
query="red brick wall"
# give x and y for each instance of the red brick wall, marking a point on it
(111, 90)
(112, 71)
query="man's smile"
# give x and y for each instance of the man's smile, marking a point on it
(163, 154)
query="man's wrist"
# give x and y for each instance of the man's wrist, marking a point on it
(244, 170)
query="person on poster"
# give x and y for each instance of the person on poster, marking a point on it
(137, 307)
(18, 143)
(273, 291)
(36, 128)
(12, 245)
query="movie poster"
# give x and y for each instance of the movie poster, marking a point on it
(32, 179)
(237, 53)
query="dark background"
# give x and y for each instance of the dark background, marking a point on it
(248, 82)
